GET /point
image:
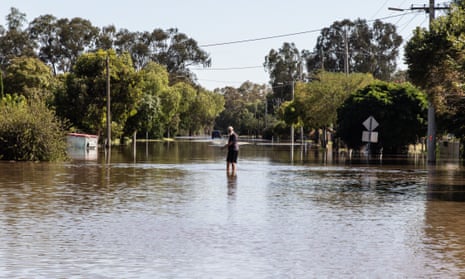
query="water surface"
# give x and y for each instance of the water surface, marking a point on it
(170, 211)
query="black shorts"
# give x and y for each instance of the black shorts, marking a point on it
(232, 156)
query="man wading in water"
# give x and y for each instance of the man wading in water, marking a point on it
(233, 151)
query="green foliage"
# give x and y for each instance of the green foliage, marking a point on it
(176, 51)
(370, 49)
(31, 132)
(187, 123)
(166, 110)
(25, 75)
(60, 41)
(245, 109)
(399, 108)
(285, 66)
(317, 102)
(170, 102)
(153, 79)
(436, 60)
(83, 98)
(1, 84)
(209, 105)
(15, 41)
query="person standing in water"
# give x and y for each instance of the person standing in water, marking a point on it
(233, 151)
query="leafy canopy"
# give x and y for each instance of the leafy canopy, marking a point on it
(400, 110)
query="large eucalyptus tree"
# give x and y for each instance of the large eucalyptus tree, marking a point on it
(14, 39)
(285, 67)
(355, 46)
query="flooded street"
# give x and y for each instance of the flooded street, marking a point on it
(170, 211)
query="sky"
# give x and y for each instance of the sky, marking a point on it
(215, 22)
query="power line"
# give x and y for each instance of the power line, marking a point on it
(408, 23)
(288, 34)
(273, 37)
(380, 8)
(227, 68)
(260, 39)
(221, 81)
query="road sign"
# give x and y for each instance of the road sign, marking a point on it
(370, 123)
(369, 136)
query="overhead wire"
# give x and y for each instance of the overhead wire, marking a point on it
(380, 8)
(401, 15)
(260, 39)
(221, 81)
(227, 68)
(285, 35)
(408, 23)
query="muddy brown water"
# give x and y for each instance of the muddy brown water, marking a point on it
(170, 211)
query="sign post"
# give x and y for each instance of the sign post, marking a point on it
(370, 136)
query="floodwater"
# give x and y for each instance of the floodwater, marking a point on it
(169, 210)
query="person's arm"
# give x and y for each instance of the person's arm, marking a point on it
(228, 143)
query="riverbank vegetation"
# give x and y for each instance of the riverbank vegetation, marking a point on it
(29, 131)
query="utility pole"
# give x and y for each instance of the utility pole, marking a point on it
(1, 83)
(346, 53)
(292, 125)
(431, 133)
(431, 139)
(108, 145)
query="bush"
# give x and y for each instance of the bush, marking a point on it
(400, 109)
(29, 131)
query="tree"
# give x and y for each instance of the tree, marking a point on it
(14, 41)
(436, 60)
(44, 31)
(26, 76)
(124, 40)
(83, 100)
(171, 48)
(106, 38)
(209, 105)
(317, 101)
(233, 105)
(140, 50)
(244, 108)
(284, 67)
(187, 106)
(369, 49)
(399, 108)
(75, 37)
(61, 41)
(153, 80)
(177, 52)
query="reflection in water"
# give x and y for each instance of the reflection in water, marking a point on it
(232, 185)
(446, 183)
(83, 154)
(445, 238)
(444, 222)
(173, 213)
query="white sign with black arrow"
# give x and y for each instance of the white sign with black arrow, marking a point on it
(370, 124)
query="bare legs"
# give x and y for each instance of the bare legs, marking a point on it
(231, 166)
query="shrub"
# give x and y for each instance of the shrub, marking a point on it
(29, 131)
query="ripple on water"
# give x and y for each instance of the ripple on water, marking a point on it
(192, 220)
